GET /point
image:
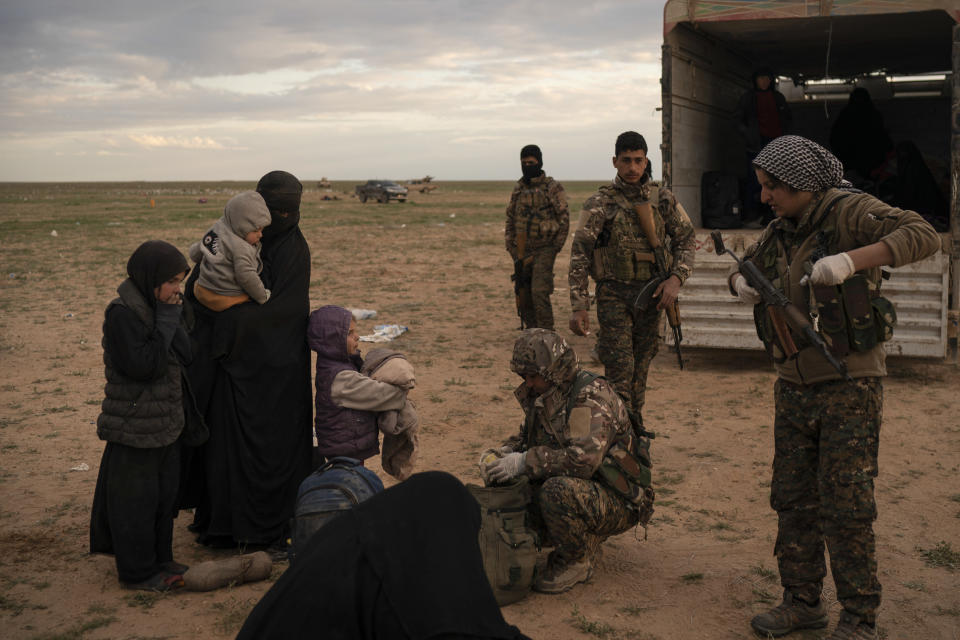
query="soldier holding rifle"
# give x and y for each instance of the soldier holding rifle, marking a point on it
(823, 251)
(536, 228)
(637, 242)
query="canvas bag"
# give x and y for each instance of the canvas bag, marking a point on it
(339, 485)
(508, 545)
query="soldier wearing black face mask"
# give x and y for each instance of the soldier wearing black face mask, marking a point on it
(537, 225)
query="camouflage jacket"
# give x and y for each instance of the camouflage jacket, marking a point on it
(599, 213)
(537, 216)
(560, 446)
(848, 220)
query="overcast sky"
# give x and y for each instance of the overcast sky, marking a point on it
(131, 90)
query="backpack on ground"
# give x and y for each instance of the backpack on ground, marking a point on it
(720, 206)
(337, 486)
(508, 545)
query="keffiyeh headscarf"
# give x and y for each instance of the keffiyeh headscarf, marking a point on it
(801, 164)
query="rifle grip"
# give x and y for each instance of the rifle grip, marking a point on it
(782, 331)
(673, 315)
(645, 216)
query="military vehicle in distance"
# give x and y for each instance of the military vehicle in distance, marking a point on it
(381, 191)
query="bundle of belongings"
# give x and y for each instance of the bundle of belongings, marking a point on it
(400, 428)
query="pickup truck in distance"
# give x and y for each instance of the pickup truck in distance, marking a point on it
(382, 191)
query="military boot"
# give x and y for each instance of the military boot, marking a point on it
(558, 577)
(790, 615)
(851, 628)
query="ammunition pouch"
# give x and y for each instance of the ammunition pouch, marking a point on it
(626, 469)
(622, 263)
(852, 318)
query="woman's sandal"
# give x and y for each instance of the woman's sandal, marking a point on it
(160, 583)
(174, 567)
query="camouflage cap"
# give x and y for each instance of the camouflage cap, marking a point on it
(545, 353)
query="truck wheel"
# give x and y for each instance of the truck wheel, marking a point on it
(363, 198)
(384, 199)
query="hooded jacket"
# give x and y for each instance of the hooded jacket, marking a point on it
(346, 401)
(229, 265)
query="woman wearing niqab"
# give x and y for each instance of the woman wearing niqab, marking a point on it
(251, 376)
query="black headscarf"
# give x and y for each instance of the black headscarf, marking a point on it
(534, 170)
(153, 263)
(282, 192)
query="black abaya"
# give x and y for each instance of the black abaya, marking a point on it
(403, 564)
(251, 377)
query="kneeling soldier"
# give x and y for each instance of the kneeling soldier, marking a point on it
(588, 464)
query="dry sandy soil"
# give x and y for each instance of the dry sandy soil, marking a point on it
(435, 264)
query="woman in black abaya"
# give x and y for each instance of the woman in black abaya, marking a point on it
(404, 564)
(251, 375)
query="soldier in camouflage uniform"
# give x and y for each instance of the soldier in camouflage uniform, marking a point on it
(590, 470)
(826, 246)
(536, 228)
(610, 245)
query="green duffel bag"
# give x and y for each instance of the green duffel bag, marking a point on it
(509, 547)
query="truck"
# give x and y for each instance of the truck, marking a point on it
(905, 52)
(381, 191)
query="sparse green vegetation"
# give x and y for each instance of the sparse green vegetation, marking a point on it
(598, 629)
(942, 555)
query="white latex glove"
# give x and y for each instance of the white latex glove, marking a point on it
(745, 293)
(832, 269)
(506, 468)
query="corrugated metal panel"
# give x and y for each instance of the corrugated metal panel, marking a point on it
(711, 317)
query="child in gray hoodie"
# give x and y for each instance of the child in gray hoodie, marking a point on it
(229, 255)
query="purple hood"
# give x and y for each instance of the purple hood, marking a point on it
(327, 332)
(340, 431)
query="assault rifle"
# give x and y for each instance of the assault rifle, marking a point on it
(645, 215)
(521, 282)
(784, 315)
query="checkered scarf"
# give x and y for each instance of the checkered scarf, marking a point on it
(800, 163)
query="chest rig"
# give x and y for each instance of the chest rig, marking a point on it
(623, 251)
(851, 316)
(535, 217)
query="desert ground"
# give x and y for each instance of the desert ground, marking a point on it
(435, 264)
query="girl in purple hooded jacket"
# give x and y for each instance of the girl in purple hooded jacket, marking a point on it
(347, 402)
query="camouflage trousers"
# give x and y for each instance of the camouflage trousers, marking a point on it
(575, 516)
(535, 310)
(626, 344)
(826, 439)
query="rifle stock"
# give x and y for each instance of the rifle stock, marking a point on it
(645, 216)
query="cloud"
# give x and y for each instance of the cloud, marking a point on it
(219, 77)
(195, 142)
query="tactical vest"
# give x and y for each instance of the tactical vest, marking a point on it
(535, 220)
(626, 466)
(851, 316)
(623, 251)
